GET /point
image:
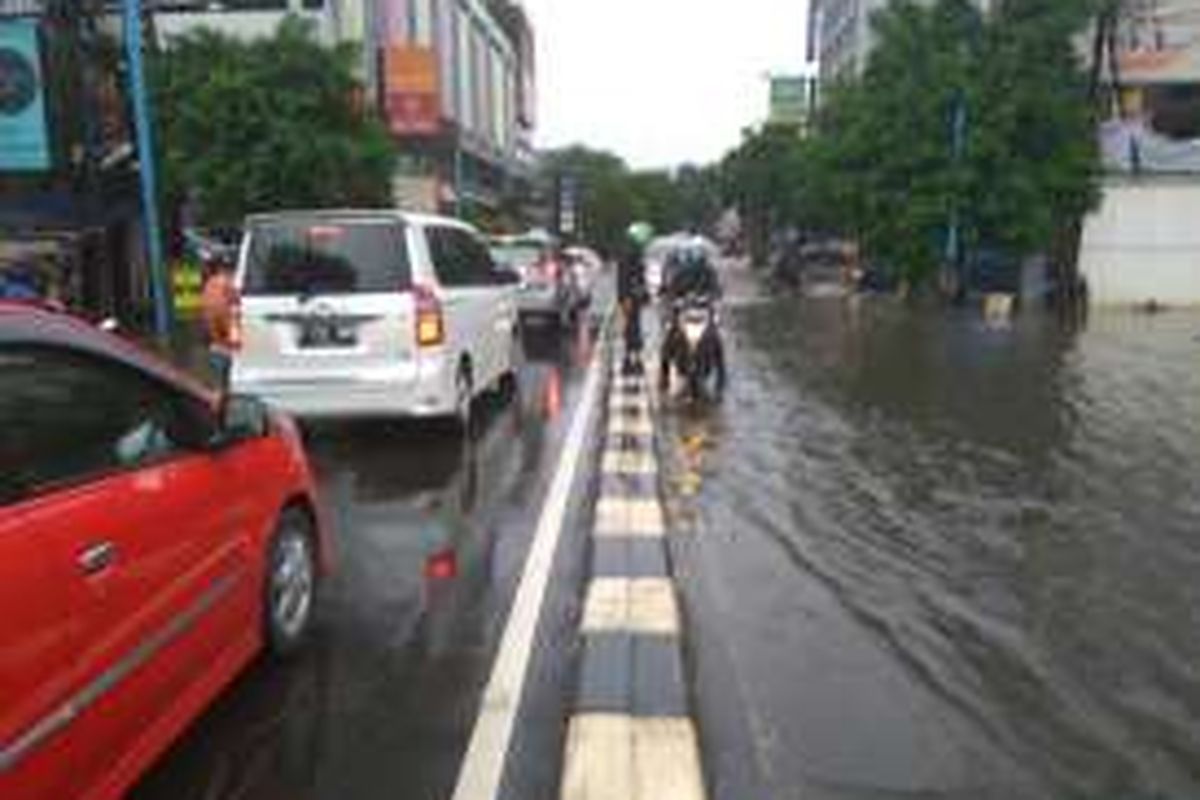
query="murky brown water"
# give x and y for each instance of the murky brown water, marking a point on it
(974, 552)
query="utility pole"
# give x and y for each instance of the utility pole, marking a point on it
(955, 273)
(140, 104)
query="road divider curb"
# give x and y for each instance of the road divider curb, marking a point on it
(631, 735)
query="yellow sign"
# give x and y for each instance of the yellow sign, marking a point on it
(186, 283)
(412, 70)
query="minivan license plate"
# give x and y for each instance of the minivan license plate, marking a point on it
(326, 333)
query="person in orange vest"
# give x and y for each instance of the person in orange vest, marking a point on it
(218, 310)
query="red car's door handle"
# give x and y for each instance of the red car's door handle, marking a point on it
(97, 558)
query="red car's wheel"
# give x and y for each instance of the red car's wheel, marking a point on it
(291, 585)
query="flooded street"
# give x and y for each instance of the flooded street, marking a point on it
(926, 558)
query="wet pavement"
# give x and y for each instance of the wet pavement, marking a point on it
(431, 536)
(928, 558)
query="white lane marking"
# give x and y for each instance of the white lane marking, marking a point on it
(666, 759)
(637, 403)
(629, 462)
(618, 757)
(635, 605)
(482, 768)
(623, 425)
(626, 516)
(599, 758)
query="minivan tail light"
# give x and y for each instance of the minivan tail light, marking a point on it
(431, 323)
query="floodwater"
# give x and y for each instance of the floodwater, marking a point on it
(936, 558)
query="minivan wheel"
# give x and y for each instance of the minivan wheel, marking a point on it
(291, 585)
(516, 354)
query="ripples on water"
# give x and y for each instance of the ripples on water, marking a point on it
(1013, 514)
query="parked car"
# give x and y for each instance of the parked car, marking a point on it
(154, 537)
(586, 268)
(548, 289)
(371, 313)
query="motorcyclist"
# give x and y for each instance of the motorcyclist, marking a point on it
(632, 293)
(690, 277)
(690, 272)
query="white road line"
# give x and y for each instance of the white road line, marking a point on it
(482, 768)
(629, 462)
(634, 605)
(621, 425)
(618, 757)
(626, 516)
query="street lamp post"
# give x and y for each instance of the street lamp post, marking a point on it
(140, 105)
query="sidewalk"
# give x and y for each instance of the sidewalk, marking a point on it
(631, 735)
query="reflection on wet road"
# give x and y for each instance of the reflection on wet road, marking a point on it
(431, 537)
(936, 559)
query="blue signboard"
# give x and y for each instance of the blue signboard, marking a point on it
(24, 143)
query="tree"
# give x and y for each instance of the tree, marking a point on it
(698, 194)
(612, 196)
(657, 200)
(890, 138)
(1034, 155)
(606, 201)
(966, 131)
(254, 126)
(764, 179)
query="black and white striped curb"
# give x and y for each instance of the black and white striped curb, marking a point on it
(630, 736)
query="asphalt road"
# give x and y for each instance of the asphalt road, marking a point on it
(431, 534)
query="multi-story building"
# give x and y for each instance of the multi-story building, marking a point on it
(459, 96)
(841, 37)
(336, 20)
(1158, 57)
(454, 80)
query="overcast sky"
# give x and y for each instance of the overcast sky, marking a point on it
(660, 82)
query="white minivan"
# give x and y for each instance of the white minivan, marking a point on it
(371, 314)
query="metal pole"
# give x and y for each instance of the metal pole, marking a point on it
(140, 104)
(459, 177)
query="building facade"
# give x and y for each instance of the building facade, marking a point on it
(1156, 88)
(453, 79)
(462, 108)
(841, 36)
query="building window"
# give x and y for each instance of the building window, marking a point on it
(252, 5)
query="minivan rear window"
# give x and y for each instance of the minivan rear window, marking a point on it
(324, 255)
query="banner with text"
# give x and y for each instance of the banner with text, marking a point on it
(413, 102)
(24, 140)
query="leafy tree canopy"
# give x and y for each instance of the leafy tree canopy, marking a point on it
(983, 122)
(612, 196)
(267, 124)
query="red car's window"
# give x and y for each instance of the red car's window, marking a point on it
(66, 417)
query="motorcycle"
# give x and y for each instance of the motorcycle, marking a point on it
(694, 348)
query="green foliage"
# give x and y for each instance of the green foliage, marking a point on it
(1033, 152)
(959, 116)
(768, 180)
(268, 124)
(613, 196)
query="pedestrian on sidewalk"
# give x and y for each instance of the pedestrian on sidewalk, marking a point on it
(218, 308)
(632, 294)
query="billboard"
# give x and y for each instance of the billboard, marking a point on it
(413, 99)
(24, 139)
(789, 99)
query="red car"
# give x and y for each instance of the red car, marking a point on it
(153, 538)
